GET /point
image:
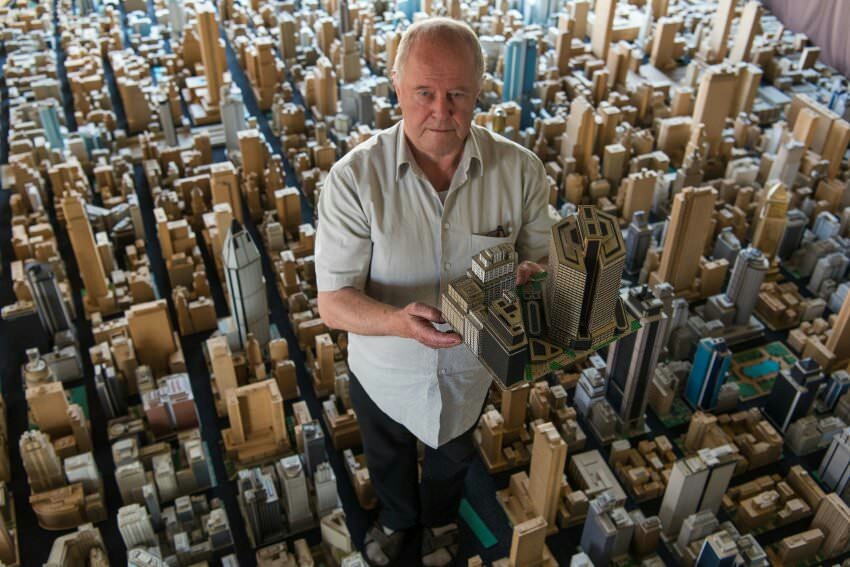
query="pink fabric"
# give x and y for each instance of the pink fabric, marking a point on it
(825, 22)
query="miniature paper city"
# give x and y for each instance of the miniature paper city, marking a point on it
(676, 388)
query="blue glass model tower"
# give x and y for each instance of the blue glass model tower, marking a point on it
(410, 7)
(520, 72)
(538, 11)
(708, 373)
(52, 128)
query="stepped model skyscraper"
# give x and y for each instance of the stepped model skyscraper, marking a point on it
(771, 220)
(99, 296)
(586, 259)
(632, 359)
(243, 272)
(690, 221)
(745, 282)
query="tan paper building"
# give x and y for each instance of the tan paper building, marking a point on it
(257, 429)
(690, 221)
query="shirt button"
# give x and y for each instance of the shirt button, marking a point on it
(447, 265)
(447, 226)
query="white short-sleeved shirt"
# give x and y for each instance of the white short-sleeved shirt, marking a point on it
(382, 229)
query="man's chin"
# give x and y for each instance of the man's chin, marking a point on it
(441, 150)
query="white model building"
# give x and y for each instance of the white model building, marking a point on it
(243, 272)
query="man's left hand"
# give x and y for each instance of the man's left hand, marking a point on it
(525, 270)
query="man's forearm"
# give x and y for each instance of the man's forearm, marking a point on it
(351, 310)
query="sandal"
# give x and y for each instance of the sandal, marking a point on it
(439, 545)
(380, 548)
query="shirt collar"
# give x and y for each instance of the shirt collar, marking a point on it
(470, 160)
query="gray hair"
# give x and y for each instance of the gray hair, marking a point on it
(436, 29)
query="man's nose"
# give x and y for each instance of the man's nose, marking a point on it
(442, 107)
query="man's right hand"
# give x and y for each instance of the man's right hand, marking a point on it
(415, 320)
(348, 309)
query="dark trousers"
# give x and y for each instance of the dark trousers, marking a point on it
(391, 456)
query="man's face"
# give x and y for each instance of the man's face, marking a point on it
(437, 91)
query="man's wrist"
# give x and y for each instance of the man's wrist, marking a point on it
(396, 326)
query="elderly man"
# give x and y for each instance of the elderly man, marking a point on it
(400, 216)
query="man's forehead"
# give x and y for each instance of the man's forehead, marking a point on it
(441, 81)
(441, 54)
(432, 66)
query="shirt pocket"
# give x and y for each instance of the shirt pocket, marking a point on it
(478, 242)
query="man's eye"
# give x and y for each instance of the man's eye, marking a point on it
(457, 95)
(423, 93)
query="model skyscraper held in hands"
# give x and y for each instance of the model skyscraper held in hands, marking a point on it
(557, 317)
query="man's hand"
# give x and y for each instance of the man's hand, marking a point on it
(525, 270)
(350, 310)
(415, 322)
